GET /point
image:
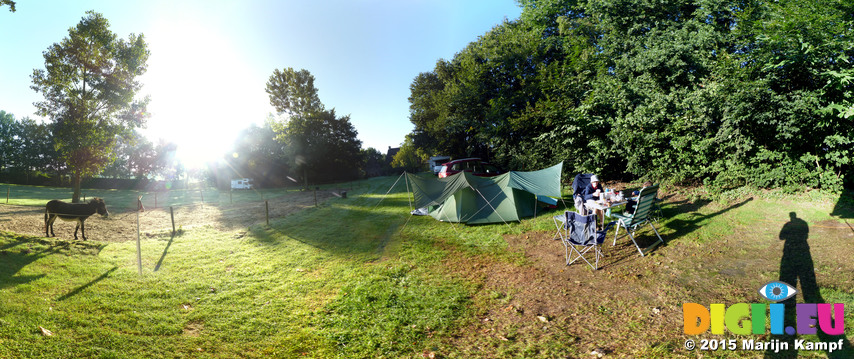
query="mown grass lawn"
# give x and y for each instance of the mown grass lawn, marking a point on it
(360, 278)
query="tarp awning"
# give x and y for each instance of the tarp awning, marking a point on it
(467, 198)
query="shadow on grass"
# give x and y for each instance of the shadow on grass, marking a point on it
(844, 208)
(165, 250)
(21, 250)
(682, 227)
(87, 285)
(12, 261)
(339, 229)
(798, 270)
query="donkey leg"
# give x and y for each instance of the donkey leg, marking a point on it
(76, 228)
(83, 228)
(50, 222)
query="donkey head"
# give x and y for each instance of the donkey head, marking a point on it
(100, 206)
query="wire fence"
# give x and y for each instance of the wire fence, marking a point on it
(162, 212)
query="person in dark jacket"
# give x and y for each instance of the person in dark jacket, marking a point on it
(592, 193)
(631, 202)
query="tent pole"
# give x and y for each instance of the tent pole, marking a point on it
(481, 208)
(408, 192)
(493, 208)
(389, 190)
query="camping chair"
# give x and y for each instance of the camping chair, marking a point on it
(631, 222)
(579, 236)
(581, 181)
(655, 211)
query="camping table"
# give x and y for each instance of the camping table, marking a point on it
(600, 205)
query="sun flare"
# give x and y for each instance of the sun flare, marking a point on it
(202, 92)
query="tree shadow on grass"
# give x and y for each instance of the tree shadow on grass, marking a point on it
(678, 227)
(13, 260)
(682, 227)
(340, 230)
(798, 270)
(22, 250)
(844, 208)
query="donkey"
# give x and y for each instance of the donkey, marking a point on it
(72, 212)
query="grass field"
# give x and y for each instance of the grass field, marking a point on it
(127, 200)
(358, 277)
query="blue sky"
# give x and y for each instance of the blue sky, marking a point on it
(210, 60)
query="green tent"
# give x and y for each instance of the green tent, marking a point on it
(467, 198)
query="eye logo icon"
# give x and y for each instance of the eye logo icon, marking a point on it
(777, 291)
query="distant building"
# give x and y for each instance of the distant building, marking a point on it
(389, 156)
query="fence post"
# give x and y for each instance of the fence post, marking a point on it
(267, 206)
(315, 196)
(8, 189)
(172, 215)
(138, 248)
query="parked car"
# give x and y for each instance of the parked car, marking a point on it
(436, 163)
(474, 165)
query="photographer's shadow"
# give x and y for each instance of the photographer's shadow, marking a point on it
(798, 270)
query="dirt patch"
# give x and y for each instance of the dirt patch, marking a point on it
(571, 304)
(632, 306)
(121, 226)
(193, 329)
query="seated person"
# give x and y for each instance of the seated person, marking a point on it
(631, 202)
(593, 192)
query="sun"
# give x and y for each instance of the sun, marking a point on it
(203, 92)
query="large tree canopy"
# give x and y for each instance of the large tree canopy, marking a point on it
(717, 91)
(320, 145)
(90, 85)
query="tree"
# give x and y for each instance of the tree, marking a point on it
(318, 142)
(257, 155)
(37, 155)
(322, 146)
(137, 157)
(89, 84)
(8, 140)
(10, 3)
(375, 164)
(293, 92)
(407, 158)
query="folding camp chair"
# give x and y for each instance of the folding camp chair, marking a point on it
(579, 236)
(631, 222)
(581, 181)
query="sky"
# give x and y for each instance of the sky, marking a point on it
(210, 60)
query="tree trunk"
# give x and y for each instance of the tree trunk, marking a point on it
(75, 186)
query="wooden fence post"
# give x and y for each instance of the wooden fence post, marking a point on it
(172, 215)
(138, 248)
(267, 206)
